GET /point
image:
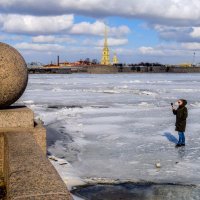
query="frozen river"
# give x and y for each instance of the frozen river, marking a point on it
(114, 128)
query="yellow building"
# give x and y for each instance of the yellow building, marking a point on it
(105, 54)
(185, 65)
(115, 59)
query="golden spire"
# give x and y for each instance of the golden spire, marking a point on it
(106, 37)
(105, 54)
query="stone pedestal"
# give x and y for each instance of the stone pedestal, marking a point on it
(26, 171)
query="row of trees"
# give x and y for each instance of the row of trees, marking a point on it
(143, 64)
(147, 64)
(89, 61)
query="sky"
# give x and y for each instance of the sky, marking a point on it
(165, 31)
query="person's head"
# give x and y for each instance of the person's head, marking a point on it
(182, 102)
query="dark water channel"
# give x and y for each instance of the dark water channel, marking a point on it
(143, 191)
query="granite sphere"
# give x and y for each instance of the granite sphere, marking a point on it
(13, 75)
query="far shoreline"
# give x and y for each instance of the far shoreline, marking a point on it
(111, 70)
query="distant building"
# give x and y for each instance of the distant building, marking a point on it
(105, 54)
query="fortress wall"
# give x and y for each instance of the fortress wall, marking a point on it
(184, 69)
(49, 71)
(102, 69)
(157, 69)
(109, 69)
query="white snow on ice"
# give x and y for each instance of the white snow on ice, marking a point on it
(116, 127)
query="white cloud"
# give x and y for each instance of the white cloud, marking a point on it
(150, 51)
(178, 11)
(39, 47)
(98, 28)
(191, 46)
(196, 32)
(88, 28)
(174, 19)
(124, 52)
(34, 25)
(53, 39)
(118, 31)
(179, 51)
(178, 34)
(27, 24)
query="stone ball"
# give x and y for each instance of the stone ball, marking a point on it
(13, 75)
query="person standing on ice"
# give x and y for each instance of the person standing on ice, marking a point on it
(181, 116)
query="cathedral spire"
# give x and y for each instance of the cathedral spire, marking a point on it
(106, 37)
(105, 54)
